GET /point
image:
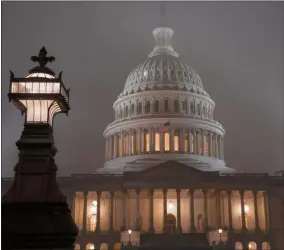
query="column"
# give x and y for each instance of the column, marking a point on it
(229, 193)
(98, 222)
(106, 149)
(151, 133)
(138, 149)
(210, 145)
(190, 140)
(182, 141)
(151, 196)
(134, 142)
(142, 140)
(165, 212)
(192, 224)
(216, 146)
(220, 148)
(85, 212)
(111, 228)
(121, 144)
(115, 146)
(179, 228)
(197, 142)
(138, 216)
(255, 210)
(172, 133)
(127, 144)
(205, 209)
(124, 193)
(130, 133)
(203, 143)
(243, 210)
(110, 153)
(162, 142)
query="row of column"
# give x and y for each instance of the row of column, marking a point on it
(166, 105)
(166, 212)
(152, 140)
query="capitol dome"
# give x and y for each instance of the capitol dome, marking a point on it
(163, 113)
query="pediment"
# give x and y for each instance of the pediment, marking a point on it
(172, 171)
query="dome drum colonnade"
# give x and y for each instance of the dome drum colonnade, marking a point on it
(164, 89)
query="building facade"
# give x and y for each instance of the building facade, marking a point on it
(165, 177)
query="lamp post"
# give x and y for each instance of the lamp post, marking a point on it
(220, 231)
(129, 235)
(35, 213)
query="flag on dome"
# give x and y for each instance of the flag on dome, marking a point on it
(164, 127)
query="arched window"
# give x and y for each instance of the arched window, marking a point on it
(192, 108)
(238, 246)
(157, 106)
(117, 246)
(167, 141)
(157, 142)
(166, 106)
(147, 141)
(138, 143)
(147, 110)
(199, 138)
(77, 246)
(126, 111)
(176, 141)
(186, 142)
(90, 246)
(132, 109)
(103, 246)
(265, 246)
(252, 245)
(176, 106)
(207, 145)
(139, 108)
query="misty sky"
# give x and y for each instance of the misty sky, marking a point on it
(237, 48)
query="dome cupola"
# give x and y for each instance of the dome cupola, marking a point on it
(163, 113)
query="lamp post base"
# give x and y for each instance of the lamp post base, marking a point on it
(37, 225)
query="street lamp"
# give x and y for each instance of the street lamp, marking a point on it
(35, 213)
(129, 235)
(220, 231)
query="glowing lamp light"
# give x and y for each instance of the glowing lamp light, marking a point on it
(220, 230)
(40, 95)
(92, 247)
(129, 231)
(246, 208)
(170, 206)
(249, 246)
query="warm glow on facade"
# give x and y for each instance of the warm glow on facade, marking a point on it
(118, 145)
(157, 142)
(176, 143)
(186, 143)
(147, 141)
(124, 145)
(132, 144)
(199, 144)
(138, 146)
(207, 145)
(167, 141)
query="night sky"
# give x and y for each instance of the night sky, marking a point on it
(237, 48)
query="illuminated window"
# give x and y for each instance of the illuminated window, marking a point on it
(157, 142)
(191, 108)
(126, 111)
(199, 137)
(186, 142)
(132, 144)
(124, 146)
(176, 106)
(157, 106)
(167, 141)
(176, 142)
(118, 145)
(198, 109)
(191, 141)
(166, 105)
(139, 108)
(90, 246)
(137, 143)
(147, 110)
(207, 145)
(147, 141)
